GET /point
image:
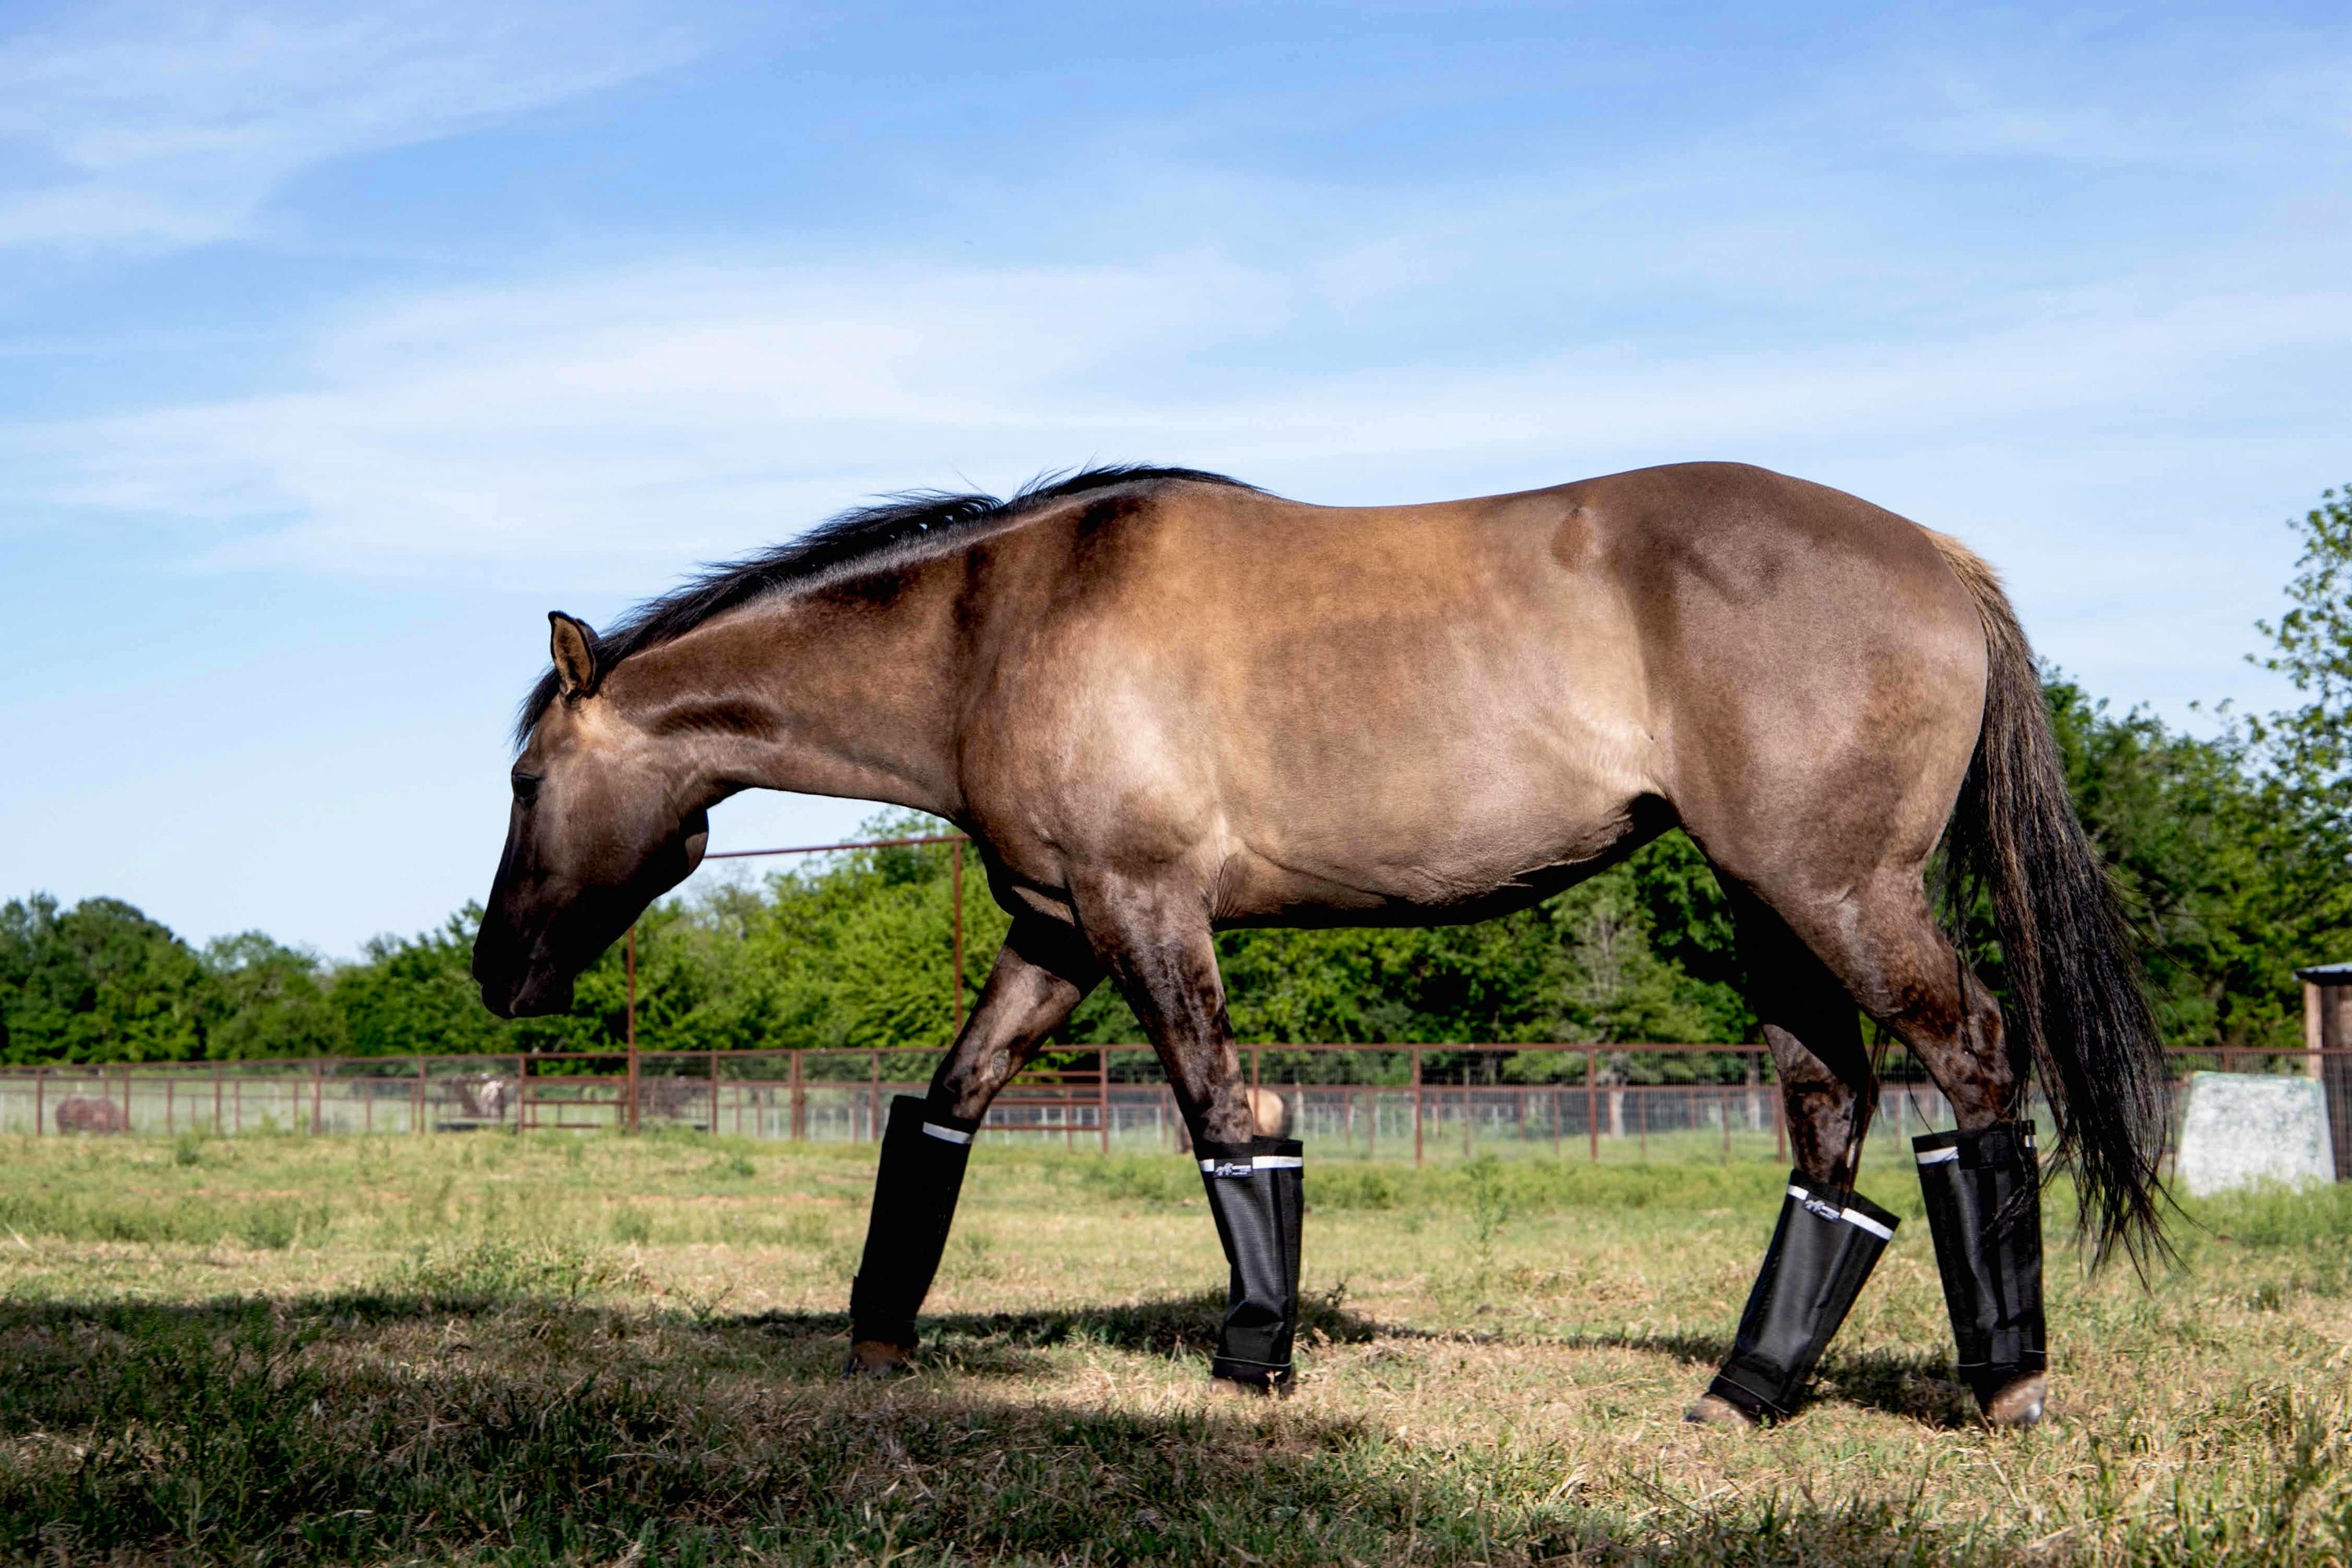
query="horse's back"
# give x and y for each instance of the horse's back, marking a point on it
(1428, 707)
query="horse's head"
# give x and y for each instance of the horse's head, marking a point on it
(598, 830)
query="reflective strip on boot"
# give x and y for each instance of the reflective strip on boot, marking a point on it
(1256, 1162)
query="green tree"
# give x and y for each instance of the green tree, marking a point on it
(269, 1000)
(97, 983)
(2305, 753)
(415, 995)
(2193, 838)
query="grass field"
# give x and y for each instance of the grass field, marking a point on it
(594, 1349)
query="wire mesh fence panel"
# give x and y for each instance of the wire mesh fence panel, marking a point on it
(1589, 1102)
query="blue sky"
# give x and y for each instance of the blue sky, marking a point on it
(339, 343)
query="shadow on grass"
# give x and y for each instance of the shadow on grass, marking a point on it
(1914, 1384)
(371, 1426)
(1005, 1343)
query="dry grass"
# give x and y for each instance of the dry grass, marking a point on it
(597, 1350)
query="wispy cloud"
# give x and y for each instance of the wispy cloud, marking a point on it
(2203, 93)
(652, 414)
(170, 124)
(649, 416)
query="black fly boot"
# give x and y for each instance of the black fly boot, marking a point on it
(1822, 1250)
(915, 1189)
(1257, 1193)
(1984, 1209)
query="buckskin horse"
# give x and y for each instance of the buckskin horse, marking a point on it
(1161, 701)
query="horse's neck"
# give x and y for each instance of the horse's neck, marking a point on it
(817, 694)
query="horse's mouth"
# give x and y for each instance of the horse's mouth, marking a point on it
(533, 996)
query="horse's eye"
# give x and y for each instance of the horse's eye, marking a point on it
(526, 787)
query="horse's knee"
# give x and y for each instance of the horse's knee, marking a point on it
(965, 1086)
(964, 1101)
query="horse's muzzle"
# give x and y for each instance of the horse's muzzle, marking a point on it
(531, 996)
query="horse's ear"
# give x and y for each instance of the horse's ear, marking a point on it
(572, 644)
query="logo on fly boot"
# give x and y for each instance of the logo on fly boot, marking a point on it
(1228, 1168)
(1827, 1211)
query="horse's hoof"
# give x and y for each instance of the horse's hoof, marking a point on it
(872, 1358)
(1714, 1410)
(2018, 1406)
(1244, 1388)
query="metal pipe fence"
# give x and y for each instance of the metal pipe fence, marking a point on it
(1375, 1102)
(1102, 1098)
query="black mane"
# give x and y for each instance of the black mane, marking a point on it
(864, 533)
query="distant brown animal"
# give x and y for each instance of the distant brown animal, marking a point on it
(1269, 1113)
(1160, 703)
(483, 1097)
(89, 1113)
(673, 1098)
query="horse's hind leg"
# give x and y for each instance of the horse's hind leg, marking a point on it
(1982, 1181)
(1828, 1237)
(1043, 971)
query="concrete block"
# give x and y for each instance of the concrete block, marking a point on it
(2243, 1128)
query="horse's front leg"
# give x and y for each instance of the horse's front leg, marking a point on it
(1155, 940)
(1043, 971)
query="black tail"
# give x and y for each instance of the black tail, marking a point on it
(2075, 991)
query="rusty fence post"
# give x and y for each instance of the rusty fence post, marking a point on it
(216, 1099)
(955, 860)
(417, 1123)
(1416, 1106)
(1103, 1115)
(629, 961)
(1592, 1102)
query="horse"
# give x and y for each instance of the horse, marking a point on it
(1161, 701)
